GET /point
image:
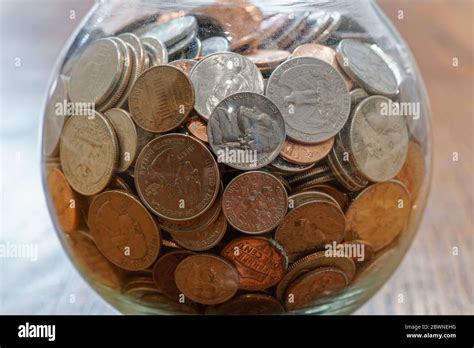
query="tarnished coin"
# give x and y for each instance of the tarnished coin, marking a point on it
(55, 117)
(63, 200)
(288, 168)
(207, 279)
(123, 230)
(313, 286)
(339, 196)
(214, 44)
(312, 98)
(251, 304)
(311, 262)
(325, 53)
(260, 262)
(156, 50)
(198, 128)
(163, 272)
(161, 99)
(366, 67)
(173, 31)
(230, 73)
(126, 134)
(362, 251)
(185, 65)
(177, 177)
(255, 202)
(310, 226)
(357, 95)
(413, 171)
(96, 73)
(377, 141)
(89, 153)
(305, 153)
(203, 239)
(268, 58)
(379, 214)
(246, 131)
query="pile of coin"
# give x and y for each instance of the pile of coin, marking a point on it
(226, 155)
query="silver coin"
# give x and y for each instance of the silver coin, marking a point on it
(317, 22)
(194, 49)
(220, 75)
(366, 67)
(286, 167)
(214, 44)
(157, 51)
(96, 73)
(135, 42)
(378, 142)
(312, 97)
(183, 44)
(335, 22)
(357, 95)
(246, 131)
(173, 31)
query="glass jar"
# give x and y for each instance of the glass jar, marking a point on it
(161, 217)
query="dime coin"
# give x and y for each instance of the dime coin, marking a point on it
(413, 170)
(54, 120)
(177, 177)
(378, 142)
(161, 99)
(255, 202)
(203, 239)
(89, 153)
(367, 68)
(173, 31)
(213, 45)
(230, 73)
(379, 213)
(198, 128)
(305, 154)
(163, 272)
(126, 135)
(309, 226)
(96, 73)
(260, 263)
(251, 304)
(313, 286)
(123, 230)
(246, 131)
(185, 65)
(207, 279)
(312, 98)
(63, 200)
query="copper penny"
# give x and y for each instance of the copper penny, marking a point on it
(413, 171)
(251, 304)
(89, 153)
(177, 177)
(324, 53)
(313, 286)
(124, 231)
(339, 196)
(63, 200)
(309, 226)
(255, 202)
(161, 98)
(205, 238)
(207, 279)
(185, 65)
(360, 246)
(379, 213)
(198, 128)
(305, 154)
(163, 272)
(260, 262)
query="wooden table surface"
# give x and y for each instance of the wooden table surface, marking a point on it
(432, 279)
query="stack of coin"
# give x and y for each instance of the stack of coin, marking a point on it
(207, 188)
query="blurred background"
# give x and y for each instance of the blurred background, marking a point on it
(430, 279)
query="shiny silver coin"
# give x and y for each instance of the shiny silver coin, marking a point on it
(377, 141)
(173, 31)
(317, 22)
(157, 52)
(214, 44)
(246, 131)
(312, 96)
(220, 75)
(367, 68)
(135, 42)
(334, 23)
(183, 44)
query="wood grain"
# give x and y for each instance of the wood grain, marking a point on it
(431, 279)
